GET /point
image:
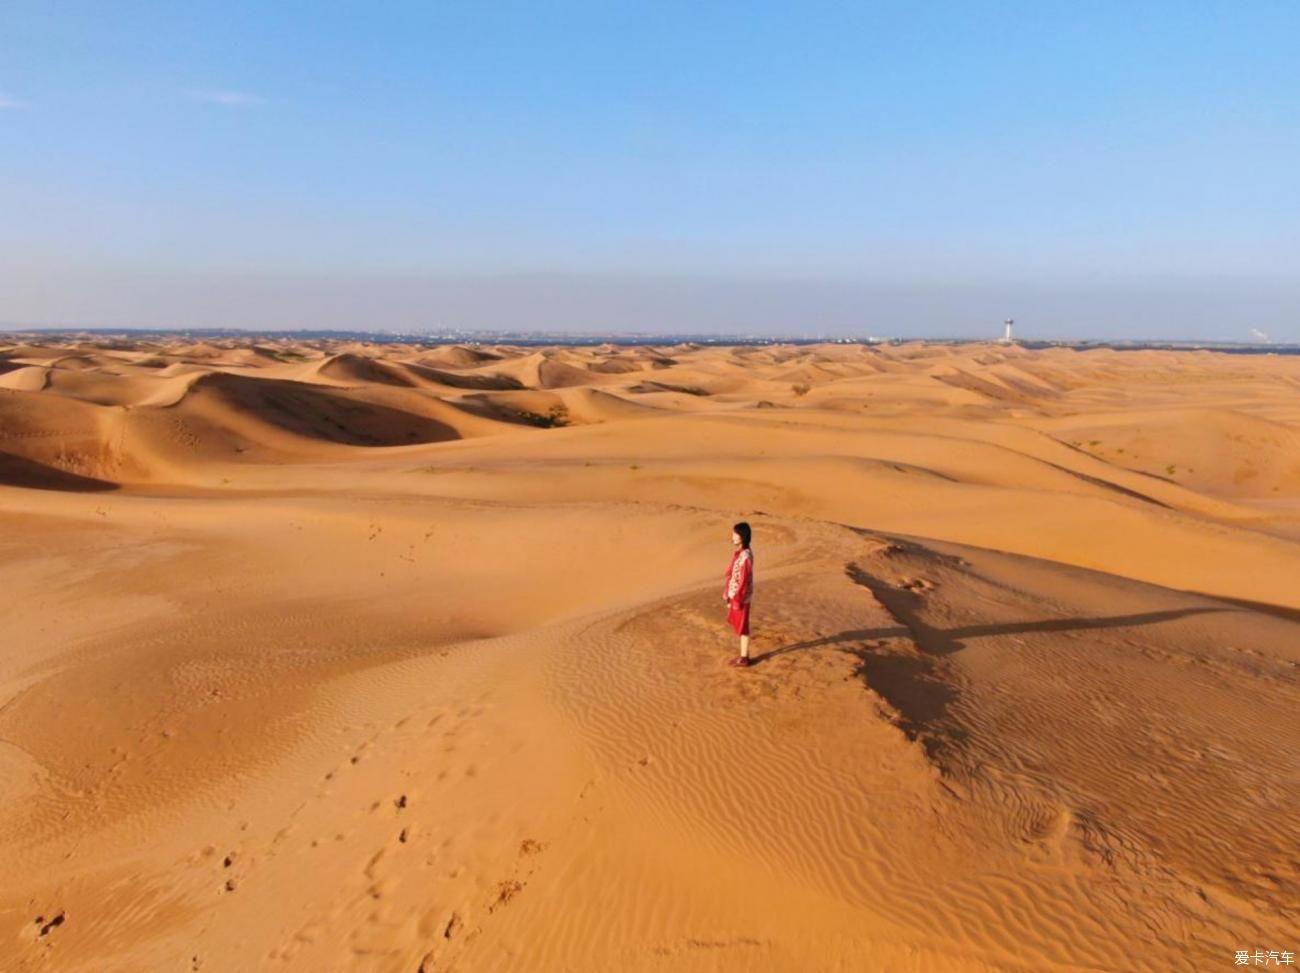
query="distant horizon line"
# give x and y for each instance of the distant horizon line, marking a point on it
(535, 335)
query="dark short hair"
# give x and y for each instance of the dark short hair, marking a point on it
(743, 530)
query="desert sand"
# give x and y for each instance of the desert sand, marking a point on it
(348, 657)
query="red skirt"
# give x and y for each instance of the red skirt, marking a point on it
(738, 619)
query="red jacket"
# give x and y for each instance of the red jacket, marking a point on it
(739, 579)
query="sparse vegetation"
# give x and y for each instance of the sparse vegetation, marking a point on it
(803, 388)
(556, 415)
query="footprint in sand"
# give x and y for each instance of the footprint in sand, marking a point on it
(505, 892)
(45, 926)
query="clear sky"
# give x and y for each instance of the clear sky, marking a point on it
(909, 168)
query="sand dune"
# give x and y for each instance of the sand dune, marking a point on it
(1250, 456)
(349, 657)
(25, 378)
(351, 369)
(458, 356)
(546, 370)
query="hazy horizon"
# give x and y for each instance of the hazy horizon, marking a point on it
(899, 170)
(591, 304)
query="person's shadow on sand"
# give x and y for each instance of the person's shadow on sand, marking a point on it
(945, 641)
(916, 684)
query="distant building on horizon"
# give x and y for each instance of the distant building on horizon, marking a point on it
(1006, 331)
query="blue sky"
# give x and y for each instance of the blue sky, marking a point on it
(888, 168)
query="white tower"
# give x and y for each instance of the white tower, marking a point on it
(1006, 331)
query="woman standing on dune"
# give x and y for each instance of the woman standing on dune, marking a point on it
(739, 589)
